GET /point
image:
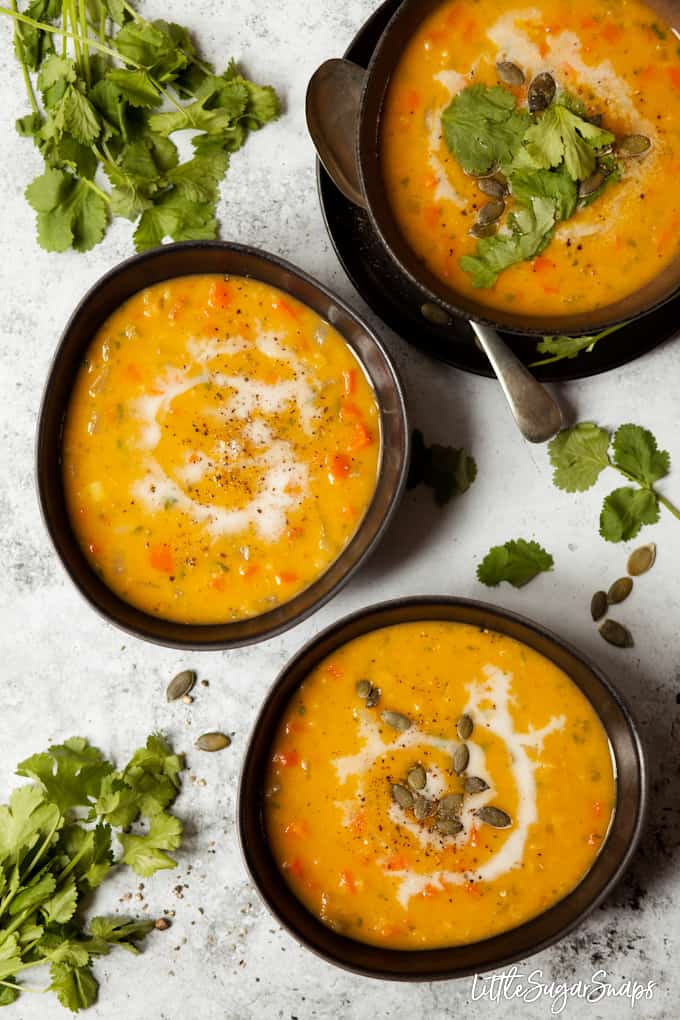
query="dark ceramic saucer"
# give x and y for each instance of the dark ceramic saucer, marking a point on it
(397, 301)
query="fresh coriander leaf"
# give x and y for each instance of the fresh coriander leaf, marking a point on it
(530, 231)
(136, 85)
(33, 894)
(57, 948)
(118, 931)
(552, 184)
(29, 126)
(204, 114)
(111, 104)
(197, 179)
(69, 212)
(118, 803)
(54, 69)
(483, 127)
(10, 956)
(32, 45)
(636, 453)
(61, 907)
(8, 995)
(578, 455)
(572, 102)
(560, 134)
(150, 46)
(76, 115)
(625, 510)
(70, 773)
(517, 561)
(561, 347)
(75, 987)
(175, 216)
(27, 819)
(447, 470)
(145, 853)
(230, 140)
(263, 105)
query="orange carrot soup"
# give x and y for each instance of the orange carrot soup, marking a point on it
(531, 152)
(220, 448)
(432, 784)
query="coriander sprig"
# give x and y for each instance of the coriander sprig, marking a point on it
(97, 119)
(579, 455)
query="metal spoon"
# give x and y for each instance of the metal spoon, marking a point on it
(332, 107)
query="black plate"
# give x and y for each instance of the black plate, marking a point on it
(391, 295)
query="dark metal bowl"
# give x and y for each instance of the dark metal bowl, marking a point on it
(503, 949)
(401, 27)
(108, 294)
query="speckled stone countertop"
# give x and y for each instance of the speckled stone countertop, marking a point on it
(67, 672)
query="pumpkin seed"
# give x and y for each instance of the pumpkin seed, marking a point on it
(396, 720)
(450, 805)
(180, 684)
(490, 212)
(619, 590)
(373, 697)
(465, 726)
(482, 229)
(422, 807)
(416, 778)
(493, 187)
(461, 757)
(616, 634)
(212, 742)
(642, 559)
(402, 796)
(449, 827)
(364, 688)
(475, 784)
(509, 73)
(592, 183)
(633, 145)
(598, 605)
(541, 92)
(493, 816)
(434, 314)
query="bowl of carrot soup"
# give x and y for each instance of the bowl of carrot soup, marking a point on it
(436, 787)
(220, 445)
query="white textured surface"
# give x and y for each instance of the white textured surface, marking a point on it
(66, 672)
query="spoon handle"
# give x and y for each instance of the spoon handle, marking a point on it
(537, 414)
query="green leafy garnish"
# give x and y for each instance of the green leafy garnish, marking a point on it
(531, 229)
(580, 454)
(517, 562)
(543, 157)
(445, 469)
(102, 108)
(560, 347)
(562, 136)
(56, 848)
(482, 127)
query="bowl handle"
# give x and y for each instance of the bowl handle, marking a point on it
(332, 109)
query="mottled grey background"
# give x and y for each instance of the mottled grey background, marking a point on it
(66, 672)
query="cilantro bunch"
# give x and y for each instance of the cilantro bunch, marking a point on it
(103, 106)
(579, 455)
(56, 838)
(544, 158)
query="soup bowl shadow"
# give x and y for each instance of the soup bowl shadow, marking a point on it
(206, 257)
(500, 950)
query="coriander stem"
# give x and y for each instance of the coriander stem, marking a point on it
(97, 190)
(45, 27)
(71, 9)
(26, 75)
(132, 11)
(82, 17)
(667, 503)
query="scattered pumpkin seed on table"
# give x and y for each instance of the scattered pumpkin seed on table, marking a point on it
(616, 634)
(180, 685)
(212, 742)
(641, 559)
(619, 590)
(598, 605)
